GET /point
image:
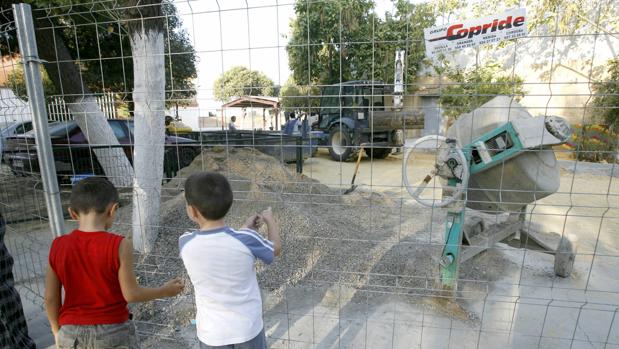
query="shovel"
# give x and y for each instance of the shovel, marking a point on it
(352, 183)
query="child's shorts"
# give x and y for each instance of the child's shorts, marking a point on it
(117, 336)
(258, 342)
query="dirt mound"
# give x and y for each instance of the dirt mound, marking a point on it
(361, 240)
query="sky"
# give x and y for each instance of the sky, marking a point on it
(250, 33)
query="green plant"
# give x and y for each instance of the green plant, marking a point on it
(606, 98)
(595, 143)
(343, 40)
(240, 81)
(293, 96)
(15, 81)
(472, 88)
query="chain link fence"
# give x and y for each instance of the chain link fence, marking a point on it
(501, 231)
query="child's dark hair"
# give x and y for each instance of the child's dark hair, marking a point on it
(210, 193)
(93, 193)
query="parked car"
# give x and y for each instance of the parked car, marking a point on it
(13, 129)
(73, 155)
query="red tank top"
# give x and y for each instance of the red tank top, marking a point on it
(87, 266)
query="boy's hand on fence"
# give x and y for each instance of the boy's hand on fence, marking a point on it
(173, 287)
(267, 216)
(254, 222)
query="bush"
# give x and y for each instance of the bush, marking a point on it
(470, 89)
(595, 143)
(607, 96)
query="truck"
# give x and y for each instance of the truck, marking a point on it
(354, 114)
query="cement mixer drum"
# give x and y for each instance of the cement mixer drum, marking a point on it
(518, 181)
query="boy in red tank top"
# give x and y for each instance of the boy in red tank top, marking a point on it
(95, 269)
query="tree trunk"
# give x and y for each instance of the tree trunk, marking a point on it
(147, 48)
(83, 106)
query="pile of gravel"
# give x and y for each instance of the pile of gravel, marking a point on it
(366, 241)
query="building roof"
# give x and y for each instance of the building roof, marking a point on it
(253, 102)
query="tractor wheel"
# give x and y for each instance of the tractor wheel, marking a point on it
(341, 147)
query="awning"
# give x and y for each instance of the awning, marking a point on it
(253, 102)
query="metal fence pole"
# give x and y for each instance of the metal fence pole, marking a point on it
(36, 99)
(300, 154)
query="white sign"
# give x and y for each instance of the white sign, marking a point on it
(456, 36)
(398, 80)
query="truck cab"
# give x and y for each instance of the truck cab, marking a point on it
(353, 100)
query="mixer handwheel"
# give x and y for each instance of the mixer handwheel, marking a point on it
(451, 163)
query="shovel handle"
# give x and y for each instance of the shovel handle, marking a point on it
(358, 162)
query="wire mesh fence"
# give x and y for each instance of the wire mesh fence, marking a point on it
(480, 238)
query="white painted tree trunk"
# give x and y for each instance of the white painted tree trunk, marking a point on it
(149, 103)
(93, 123)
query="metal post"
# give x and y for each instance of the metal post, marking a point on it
(299, 142)
(36, 100)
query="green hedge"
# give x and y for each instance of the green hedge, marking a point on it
(595, 143)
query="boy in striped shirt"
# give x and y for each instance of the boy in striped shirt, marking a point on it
(220, 263)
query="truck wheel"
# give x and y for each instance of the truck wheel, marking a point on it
(340, 144)
(378, 153)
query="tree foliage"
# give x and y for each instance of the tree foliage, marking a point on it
(240, 81)
(606, 98)
(15, 81)
(331, 41)
(343, 40)
(298, 97)
(567, 16)
(470, 89)
(99, 43)
(403, 30)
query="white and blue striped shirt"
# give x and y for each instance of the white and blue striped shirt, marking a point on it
(220, 264)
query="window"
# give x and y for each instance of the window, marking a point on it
(330, 101)
(28, 126)
(349, 98)
(23, 128)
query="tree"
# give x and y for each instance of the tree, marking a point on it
(134, 54)
(606, 98)
(94, 40)
(180, 68)
(293, 96)
(240, 81)
(342, 40)
(470, 89)
(146, 32)
(331, 41)
(567, 15)
(15, 81)
(403, 30)
(66, 77)
(102, 43)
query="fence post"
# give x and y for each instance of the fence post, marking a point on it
(299, 141)
(36, 100)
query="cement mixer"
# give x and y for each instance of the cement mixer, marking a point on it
(496, 160)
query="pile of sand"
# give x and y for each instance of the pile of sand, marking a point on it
(361, 240)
